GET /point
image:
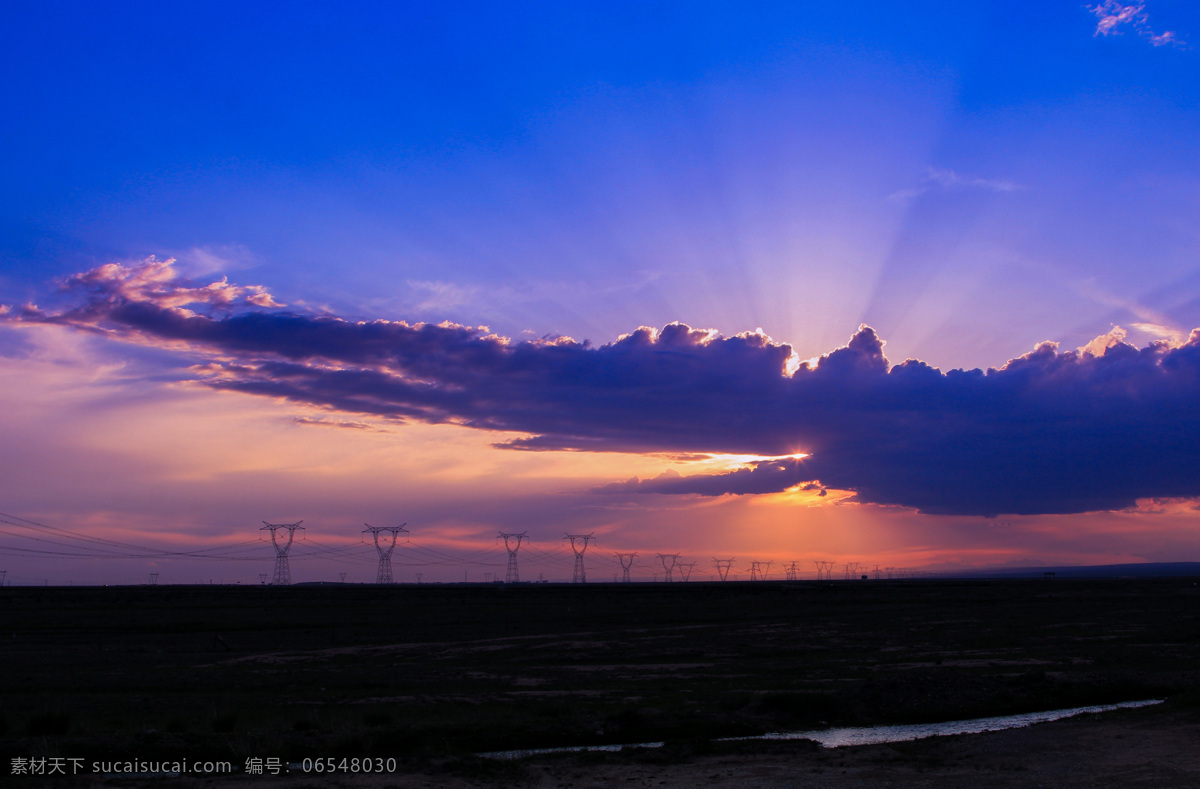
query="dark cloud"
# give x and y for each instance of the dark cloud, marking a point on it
(762, 476)
(1049, 432)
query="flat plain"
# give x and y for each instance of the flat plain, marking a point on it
(432, 675)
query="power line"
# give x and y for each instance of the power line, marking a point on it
(722, 566)
(580, 574)
(512, 544)
(283, 574)
(668, 562)
(384, 574)
(626, 560)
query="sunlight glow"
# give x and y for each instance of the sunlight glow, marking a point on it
(732, 462)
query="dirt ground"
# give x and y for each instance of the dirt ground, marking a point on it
(432, 675)
(1142, 748)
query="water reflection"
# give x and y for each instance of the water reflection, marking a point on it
(837, 738)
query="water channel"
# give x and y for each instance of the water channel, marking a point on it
(873, 735)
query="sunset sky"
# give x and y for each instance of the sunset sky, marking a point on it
(912, 285)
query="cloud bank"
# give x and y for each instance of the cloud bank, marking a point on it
(1049, 432)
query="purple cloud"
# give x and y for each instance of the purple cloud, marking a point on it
(1049, 432)
(1112, 15)
(761, 476)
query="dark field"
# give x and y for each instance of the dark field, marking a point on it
(431, 674)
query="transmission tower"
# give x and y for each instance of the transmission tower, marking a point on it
(791, 573)
(686, 569)
(384, 574)
(512, 544)
(262, 577)
(342, 577)
(626, 560)
(669, 568)
(580, 574)
(283, 575)
(722, 566)
(754, 571)
(154, 579)
(766, 568)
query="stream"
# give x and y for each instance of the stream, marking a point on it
(872, 735)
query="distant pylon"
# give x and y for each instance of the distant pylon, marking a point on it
(668, 566)
(792, 573)
(626, 560)
(722, 566)
(686, 569)
(754, 571)
(283, 575)
(384, 574)
(824, 570)
(512, 576)
(766, 568)
(154, 579)
(580, 574)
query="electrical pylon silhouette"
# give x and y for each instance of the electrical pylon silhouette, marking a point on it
(283, 574)
(512, 576)
(580, 574)
(722, 566)
(668, 568)
(626, 560)
(384, 574)
(685, 569)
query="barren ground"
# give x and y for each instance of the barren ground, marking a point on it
(430, 675)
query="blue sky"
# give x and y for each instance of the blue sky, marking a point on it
(969, 181)
(800, 168)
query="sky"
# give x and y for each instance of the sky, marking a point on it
(912, 286)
